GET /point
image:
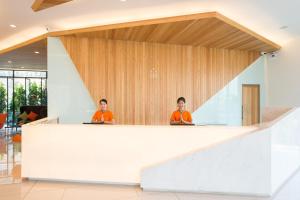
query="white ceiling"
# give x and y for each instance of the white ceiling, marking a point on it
(262, 16)
(26, 58)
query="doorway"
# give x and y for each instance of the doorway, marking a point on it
(250, 104)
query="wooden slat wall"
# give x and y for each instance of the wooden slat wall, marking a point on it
(143, 80)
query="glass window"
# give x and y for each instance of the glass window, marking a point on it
(19, 94)
(32, 74)
(3, 95)
(34, 91)
(44, 98)
(20, 88)
(6, 73)
(10, 111)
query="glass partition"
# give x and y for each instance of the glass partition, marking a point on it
(19, 88)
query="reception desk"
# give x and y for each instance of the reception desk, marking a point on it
(111, 154)
(177, 158)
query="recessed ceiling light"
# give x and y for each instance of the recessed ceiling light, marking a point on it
(13, 26)
(37, 52)
(283, 27)
(123, 0)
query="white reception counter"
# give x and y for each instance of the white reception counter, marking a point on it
(111, 154)
(153, 156)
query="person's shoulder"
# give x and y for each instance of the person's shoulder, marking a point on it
(109, 112)
(187, 112)
(175, 112)
(97, 114)
(97, 111)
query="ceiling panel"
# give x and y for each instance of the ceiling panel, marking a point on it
(25, 57)
(258, 15)
(210, 31)
(203, 29)
(44, 4)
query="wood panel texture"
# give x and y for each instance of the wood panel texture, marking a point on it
(205, 29)
(251, 105)
(44, 4)
(210, 29)
(143, 80)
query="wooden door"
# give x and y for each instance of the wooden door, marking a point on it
(251, 105)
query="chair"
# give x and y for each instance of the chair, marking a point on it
(3, 117)
(41, 112)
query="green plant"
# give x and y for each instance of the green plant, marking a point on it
(34, 94)
(19, 98)
(2, 98)
(44, 97)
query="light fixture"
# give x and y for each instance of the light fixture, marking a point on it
(283, 27)
(123, 0)
(37, 52)
(13, 26)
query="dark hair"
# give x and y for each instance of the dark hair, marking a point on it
(181, 99)
(103, 100)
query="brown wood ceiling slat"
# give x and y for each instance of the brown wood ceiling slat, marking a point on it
(208, 32)
(44, 4)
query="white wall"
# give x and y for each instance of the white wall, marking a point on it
(284, 76)
(68, 98)
(225, 107)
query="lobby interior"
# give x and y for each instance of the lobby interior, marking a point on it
(235, 62)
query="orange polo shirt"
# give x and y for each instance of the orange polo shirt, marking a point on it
(186, 116)
(107, 115)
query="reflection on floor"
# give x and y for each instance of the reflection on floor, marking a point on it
(10, 161)
(12, 188)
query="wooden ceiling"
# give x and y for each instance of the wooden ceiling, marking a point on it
(209, 29)
(210, 32)
(205, 29)
(25, 57)
(44, 4)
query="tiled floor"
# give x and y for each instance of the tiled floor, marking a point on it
(38, 190)
(10, 161)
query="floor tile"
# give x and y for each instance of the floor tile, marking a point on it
(15, 189)
(143, 195)
(48, 185)
(45, 195)
(12, 197)
(194, 196)
(100, 192)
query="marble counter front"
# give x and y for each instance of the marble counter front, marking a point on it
(112, 154)
(213, 159)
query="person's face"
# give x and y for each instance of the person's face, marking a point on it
(103, 106)
(180, 105)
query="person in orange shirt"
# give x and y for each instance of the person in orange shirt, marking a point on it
(181, 116)
(103, 115)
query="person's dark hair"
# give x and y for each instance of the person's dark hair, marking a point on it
(103, 100)
(181, 99)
